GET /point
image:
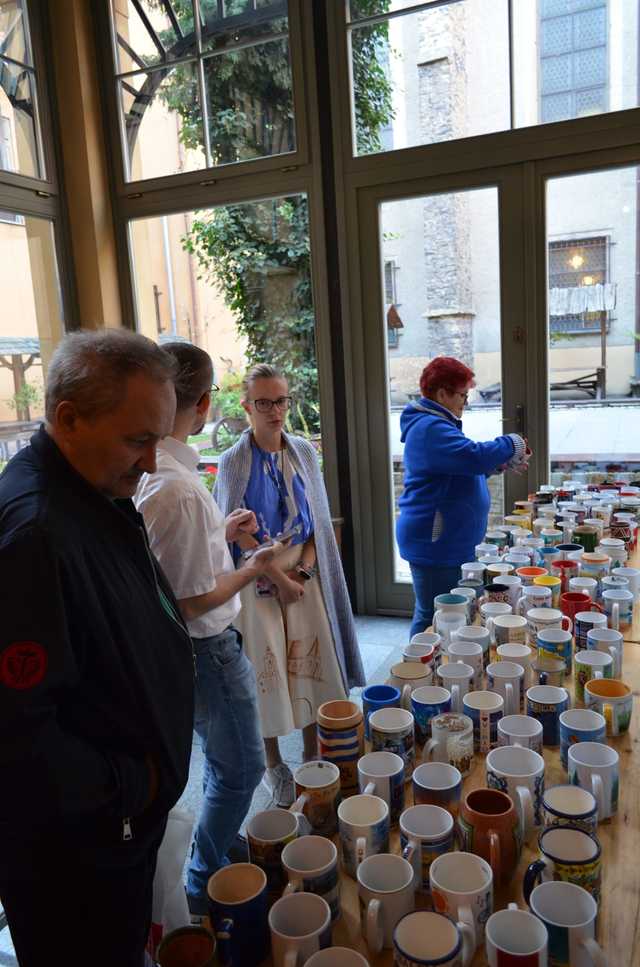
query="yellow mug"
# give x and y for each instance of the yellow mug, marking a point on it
(549, 581)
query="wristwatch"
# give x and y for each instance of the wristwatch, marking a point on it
(305, 572)
(245, 555)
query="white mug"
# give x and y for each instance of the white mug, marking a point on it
(507, 627)
(516, 934)
(386, 891)
(337, 957)
(541, 619)
(393, 730)
(520, 773)
(507, 679)
(610, 641)
(472, 570)
(478, 634)
(426, 831)
(589, 585)
(520, 730)
(514, 584)
(311, 865)
(619, 606)
(363, 822)
(569, 913)
(457, 676)
(462, 888)
(491, 609)
(382, 774)
(423, 939)
(470, 595)
(595, 767)
(520, 654)
(445, 623)
(407, 675)
(470, 653)
(534, 596)
(300, 925)
(632, 575)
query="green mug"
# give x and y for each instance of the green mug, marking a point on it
(587, 535)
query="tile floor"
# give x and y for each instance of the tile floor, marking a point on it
(381, 640)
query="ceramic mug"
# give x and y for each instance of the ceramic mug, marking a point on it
(555, 643)
(520, 773)
(546, 703)
(570, 806)
(491, 609)
(507, 679)
(520, 730)
(594, 565)
(426, 831)
(268, 832)
(382, 774)
(375, 697)
(569, 854)
(392, 730)
(478, 635)
(437, 784)
(450, 602)
(337, 957)
(528, 574)
(470, 653)
(457, 677)
(451, 741)
(507, 628)
(424, 939)
(572, 602)
(462, 888)
(428, 638)
(426, 702)
(552, 582)
(619, 606)
(520, 654)
(407, 675)
(386, 893)
(300, 925)
(583, 623)
(473, 571)
(496, 592)
(311, 865)
(564, 570)
(485, 709)
(542, 619)
(587, 585)
(363, 822)
(533, 596)
(613, 699)
(569, 914)
(517, 938)
(472, 601)
(563, 551)
(632, 575)
(187, 945)
(340, 730)
(595, 767)
(237, 902)
(590, 665)
(317, 786)
(425, 654)
(497, 568)
(580, 725)
(513, 584)
(446, 623)
(488, 825)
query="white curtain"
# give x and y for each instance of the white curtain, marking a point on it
(576, 299)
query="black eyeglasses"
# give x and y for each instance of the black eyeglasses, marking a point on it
(456, 392)
(265, 406)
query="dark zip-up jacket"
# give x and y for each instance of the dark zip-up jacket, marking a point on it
(96, 666)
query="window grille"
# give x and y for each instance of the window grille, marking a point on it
(573, 59)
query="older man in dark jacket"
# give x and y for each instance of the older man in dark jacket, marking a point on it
(96, 665)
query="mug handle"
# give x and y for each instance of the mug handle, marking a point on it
(543, 678)
(594, 606)
(615, 616)
(429, 746)
(405, 698)
(532, 876)
(223, 936)
(466, 918)
(468, 942)
(489, 627)
(597, 788)
(525, 807)
(494, 853)
(300, 803)
(595, 952)
(293, 886)
(455, 697)
(369, 789)
(291, 958)
(361, 850)
(374, 931)
(508, 687)
(569, 627)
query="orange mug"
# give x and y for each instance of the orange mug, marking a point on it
(489, 826)
(571, 602)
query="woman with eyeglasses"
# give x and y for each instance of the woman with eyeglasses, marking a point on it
(444, 507)
(297, 624)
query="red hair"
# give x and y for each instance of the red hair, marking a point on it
(444, 372)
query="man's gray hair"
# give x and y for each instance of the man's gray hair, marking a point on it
(91, 369)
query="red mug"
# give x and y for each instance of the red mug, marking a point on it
(571, 602)
(564, 570)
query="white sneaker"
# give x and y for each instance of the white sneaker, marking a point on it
(279, 782)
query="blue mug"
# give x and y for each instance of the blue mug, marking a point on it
(580, 725)
(375, 697)
(547, 703)
(427, 702)
(238, 908)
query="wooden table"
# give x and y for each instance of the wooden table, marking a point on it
(619, 918)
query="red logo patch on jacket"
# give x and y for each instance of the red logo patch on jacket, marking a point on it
(23, 665)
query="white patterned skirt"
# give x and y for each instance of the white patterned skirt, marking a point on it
(292, 652)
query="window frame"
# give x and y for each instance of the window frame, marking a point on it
(203, 177)
(604, 240)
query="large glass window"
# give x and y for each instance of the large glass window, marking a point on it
(594, 375)
(429, 72)
(200, 91)
(20, 146)
(236, 281)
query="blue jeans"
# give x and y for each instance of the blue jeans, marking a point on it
(427, 583)
(226, 721)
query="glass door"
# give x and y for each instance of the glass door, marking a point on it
(593, 273)
(448, 284)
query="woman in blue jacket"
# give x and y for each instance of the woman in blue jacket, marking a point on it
(444, 507)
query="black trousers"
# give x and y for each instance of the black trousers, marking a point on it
(80, 911)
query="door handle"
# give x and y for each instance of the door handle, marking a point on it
(518, 419)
